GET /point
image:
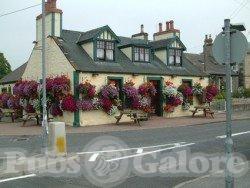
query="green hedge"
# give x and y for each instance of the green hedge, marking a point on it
(242, 93)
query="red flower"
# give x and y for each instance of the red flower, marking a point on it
(69, 104)
(106, 104)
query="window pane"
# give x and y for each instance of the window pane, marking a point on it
(110, 54)
(178, 60)
(147, 55)
(100, 44)
(171, 52)
(142, 54)
(178, 57)
(136, 54)
(171, 60)
(110, 45)
(100, 53)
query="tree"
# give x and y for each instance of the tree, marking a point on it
(5, 67)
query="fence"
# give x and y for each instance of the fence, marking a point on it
(237, 104)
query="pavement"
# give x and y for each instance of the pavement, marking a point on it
(8, 128)
(198, 139)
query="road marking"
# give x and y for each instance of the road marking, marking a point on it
(140, 150)
(93, 157)
(18, 177)
(150, 152)
(236, 134)
(128, 149)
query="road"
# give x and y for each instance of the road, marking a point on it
(207, 139)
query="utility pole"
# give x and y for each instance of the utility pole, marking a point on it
(44, 100)
(229, 141)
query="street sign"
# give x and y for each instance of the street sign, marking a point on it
(238, 45)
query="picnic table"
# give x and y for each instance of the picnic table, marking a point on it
(34, 115)
(7, 113)
(205, 108)
(136, 115)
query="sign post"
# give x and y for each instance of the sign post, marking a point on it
(230, 46)
(229, 141)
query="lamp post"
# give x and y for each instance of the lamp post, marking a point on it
(44, 100)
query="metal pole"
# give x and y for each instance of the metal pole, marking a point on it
(229, 141)
(44, 122)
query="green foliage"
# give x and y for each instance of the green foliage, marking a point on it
(5, 67)
(221, 95)
(242, 93)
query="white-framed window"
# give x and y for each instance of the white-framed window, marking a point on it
(175, 57)
(141, 54)
(105, 50)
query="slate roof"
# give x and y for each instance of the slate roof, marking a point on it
(14, 76)
(166, 42)
(88, 35)
(81, 61)
(212, 67)
(126, 41)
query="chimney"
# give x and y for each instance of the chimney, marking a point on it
(207, 49)
(170, 31)
(53, 17)
(141, 35)
(160, 27)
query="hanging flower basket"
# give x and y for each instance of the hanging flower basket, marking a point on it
(4, 98)
(87, 90)
(187, 93)
(211, 91)
(69, 104)
(198, 91)
(147, 89)
(131, 95)
(172, 97)
(109, 100)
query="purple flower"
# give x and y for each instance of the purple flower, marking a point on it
(109, 92)
(85, 105)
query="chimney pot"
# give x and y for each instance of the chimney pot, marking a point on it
(167, 26)
(142, 28)
(160, 27)
(171, 24)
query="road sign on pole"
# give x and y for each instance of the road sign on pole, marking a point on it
(230, 46)
(238, 47)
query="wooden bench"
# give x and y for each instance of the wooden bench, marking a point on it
(135, 115)
(7, 113)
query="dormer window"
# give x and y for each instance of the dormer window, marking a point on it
(105, 50)
(141, 54)
(174, 57)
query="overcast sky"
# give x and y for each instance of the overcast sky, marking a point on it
(194, 18)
